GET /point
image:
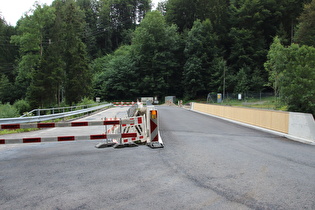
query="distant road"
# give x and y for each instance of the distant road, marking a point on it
(206, 164)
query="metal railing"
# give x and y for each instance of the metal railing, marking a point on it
(39, 112)
(41, 118)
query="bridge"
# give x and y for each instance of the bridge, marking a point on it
(207, 163)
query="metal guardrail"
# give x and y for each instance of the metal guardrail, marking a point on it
(50, 116)
(57, 110)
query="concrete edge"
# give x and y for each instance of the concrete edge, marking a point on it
(160, 138)
(294, 138)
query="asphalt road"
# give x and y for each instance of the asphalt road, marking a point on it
(206, 164)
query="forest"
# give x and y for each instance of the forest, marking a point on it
(62, 53)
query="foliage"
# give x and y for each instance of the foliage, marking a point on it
(156, 50)
(275, 65)
(306, 28)
(291, 71)
(8, 111)
(85, 101)
(8, 52)
(200, 51)
(6, 89)
(62, 53)
(299, 79)
(22, 106)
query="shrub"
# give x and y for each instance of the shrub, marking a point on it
(22, 106)
(8, 111)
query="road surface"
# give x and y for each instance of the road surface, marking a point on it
(206, 164)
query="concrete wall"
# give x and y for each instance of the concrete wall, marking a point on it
(302, 125)
(297, 126)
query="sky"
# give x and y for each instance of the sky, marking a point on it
(13, 10)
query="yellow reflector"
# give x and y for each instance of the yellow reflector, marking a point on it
(153, 114)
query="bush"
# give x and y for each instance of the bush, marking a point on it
(86, 101)
(22, 106)
(8, 111)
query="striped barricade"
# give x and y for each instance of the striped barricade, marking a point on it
(138, 127)
(113, 122)
(124, 103)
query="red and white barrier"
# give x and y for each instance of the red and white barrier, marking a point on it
(124, 103)
(155, 140)
(65, 124)
(67, 138)
(123, 131)
(139, 127)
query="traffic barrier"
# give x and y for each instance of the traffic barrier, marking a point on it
(124, 132)
(124, 103)
(105, 122)
(65, 124)
(155, 140)
(138, 127)
(67, 138)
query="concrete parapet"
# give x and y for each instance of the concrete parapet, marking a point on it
(302, 125)
(296, 126)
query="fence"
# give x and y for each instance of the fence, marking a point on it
(212, 97)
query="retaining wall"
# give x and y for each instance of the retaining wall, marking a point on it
(296, 126)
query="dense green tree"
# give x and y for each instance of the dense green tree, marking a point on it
(306, 28)
(6, 89)
(183, 13)
(200, 51)
(155, 48)
(193, 79)
(117, 19)
(292, 74)
(78, 75)
(32, 39)
(91, 10)
(275, 65)
(290, 11)
(242, 81)
(297, 87)
(8, 52)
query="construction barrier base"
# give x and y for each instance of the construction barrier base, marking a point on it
(105, 145)
(130, 144)
(155, 145)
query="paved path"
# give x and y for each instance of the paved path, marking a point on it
(206, 164)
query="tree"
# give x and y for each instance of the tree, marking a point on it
(8, 54)
(6, 89)
(299, 79)
(200, 51)
(193, 79)
(117, 19)
(275, 65)
(91, 12)
(32, 39)
(156, 50)
(8, 51)
(306, 27)
(182, 13)
(291, 71)
(78, 75)
(242, 81)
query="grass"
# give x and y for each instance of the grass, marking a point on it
(3, 132)
(264, 103)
